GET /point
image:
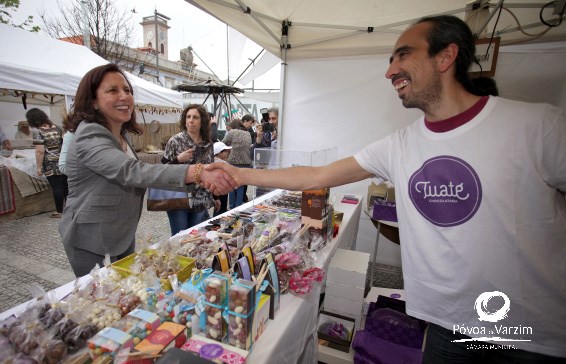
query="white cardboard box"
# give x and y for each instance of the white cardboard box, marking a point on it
(348, 267)
(344, 290)
(350, 308)
(378, 291)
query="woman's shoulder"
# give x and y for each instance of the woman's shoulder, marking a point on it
(243, 135)
(91, 130)
(180, 136)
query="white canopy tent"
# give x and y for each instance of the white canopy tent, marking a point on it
(299, 29)
(335, 54)
(46, 69)
(34, 62)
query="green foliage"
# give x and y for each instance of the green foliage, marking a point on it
(7, 7)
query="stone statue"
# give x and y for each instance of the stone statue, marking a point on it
(187, 58)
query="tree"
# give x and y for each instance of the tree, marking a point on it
(6, 18)
(110, 29)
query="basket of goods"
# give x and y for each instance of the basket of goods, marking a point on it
(164, 265)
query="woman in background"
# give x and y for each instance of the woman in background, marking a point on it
(240, 140)
(48, 138)
(67, 138)
(191, 146)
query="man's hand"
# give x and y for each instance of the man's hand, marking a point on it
(217, 180)
(232, 171)
(259, 134)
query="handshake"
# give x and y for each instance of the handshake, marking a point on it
(219, 178)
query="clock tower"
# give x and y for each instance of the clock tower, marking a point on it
(156, 37)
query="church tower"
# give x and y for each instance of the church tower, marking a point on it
(156, 34)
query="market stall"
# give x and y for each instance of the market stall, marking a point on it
(24, 193)
(291, 335)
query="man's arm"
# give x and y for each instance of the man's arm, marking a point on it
(338, 173)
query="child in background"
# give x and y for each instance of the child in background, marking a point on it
(221, 153)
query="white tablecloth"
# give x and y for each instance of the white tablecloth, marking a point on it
(291, 337)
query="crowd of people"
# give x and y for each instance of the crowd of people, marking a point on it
(503, 160)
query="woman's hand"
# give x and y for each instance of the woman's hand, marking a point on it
(38, 170)
(186, 156)
(217, 181)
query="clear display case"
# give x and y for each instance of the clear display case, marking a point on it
(267, 158)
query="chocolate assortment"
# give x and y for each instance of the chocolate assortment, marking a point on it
(215, 292)
(241, 305)
(114, 312)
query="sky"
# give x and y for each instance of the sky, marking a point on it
(189, 26)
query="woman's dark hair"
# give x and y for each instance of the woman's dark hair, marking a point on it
(236, 124)
(37, 117)
(445, 30)
(83, 107)
(204, 121)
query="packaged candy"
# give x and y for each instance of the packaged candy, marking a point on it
(138, 323)
(108, 342)
(216, 299)
(166, 336)
(216, 288)
(241, 303)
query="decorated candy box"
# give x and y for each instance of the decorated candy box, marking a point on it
(241, 304)
(138, 323)
(215, 351)
(216, 299)
(167, 335)
(261, 317)
(216, 288)
(108, 342)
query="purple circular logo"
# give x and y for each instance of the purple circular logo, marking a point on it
(395, 295)
(211, 351)
(446, 191)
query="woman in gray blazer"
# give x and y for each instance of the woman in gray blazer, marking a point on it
(106, 180)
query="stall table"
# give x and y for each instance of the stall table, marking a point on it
(30, 195)
(292, 336)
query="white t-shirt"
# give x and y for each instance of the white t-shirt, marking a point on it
(480, 210)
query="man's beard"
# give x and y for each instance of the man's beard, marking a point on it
(426, 98)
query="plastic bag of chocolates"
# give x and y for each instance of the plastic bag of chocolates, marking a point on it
(49, 350)
(103, 315)
(6, 348)
(25, 331)
(75, 330)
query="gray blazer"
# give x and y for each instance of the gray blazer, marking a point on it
(106, 190)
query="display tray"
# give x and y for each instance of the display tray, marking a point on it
(337, 330)
(187, 264)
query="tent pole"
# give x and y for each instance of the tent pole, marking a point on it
(281, 124)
